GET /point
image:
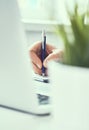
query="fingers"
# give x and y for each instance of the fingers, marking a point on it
(50, 48)
(35, 59)
(36, 69)
(34, 53)
(36, 47)
(56, 55)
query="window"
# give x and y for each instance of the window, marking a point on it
(48, 10)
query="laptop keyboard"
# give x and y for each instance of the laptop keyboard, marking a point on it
(43, 99)
(42, 87)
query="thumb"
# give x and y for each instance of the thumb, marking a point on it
(50, 57)
(56, 55)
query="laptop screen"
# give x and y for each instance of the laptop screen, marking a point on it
(16, 84)
(17, 89)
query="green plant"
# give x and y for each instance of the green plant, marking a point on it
(75, 39)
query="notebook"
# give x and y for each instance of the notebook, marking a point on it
(18, 91)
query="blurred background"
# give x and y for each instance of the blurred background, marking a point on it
(46, 14)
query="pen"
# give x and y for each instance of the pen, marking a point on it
(43, 51)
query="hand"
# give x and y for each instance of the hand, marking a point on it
(52, 53)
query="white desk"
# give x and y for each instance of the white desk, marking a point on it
(12, 120)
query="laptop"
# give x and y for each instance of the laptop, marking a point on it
(17, 87)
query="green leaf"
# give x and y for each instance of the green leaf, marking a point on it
(76, 51)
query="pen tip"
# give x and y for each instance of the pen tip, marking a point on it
(43, 74)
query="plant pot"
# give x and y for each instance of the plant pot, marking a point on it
(70, 96)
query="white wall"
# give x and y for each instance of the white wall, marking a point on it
(34, 33)
(34, 25)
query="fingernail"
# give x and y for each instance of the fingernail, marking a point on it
(45, 63)
(38, 66)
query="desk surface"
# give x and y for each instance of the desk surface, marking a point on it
(12, 120)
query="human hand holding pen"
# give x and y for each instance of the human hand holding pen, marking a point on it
(52, 53)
